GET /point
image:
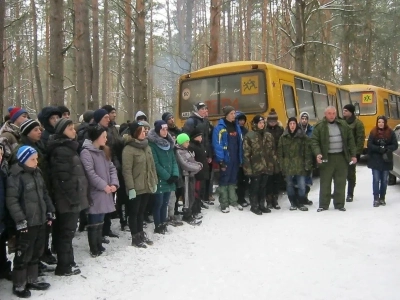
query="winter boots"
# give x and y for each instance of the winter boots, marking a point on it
(192, 221)
(137, 241)
(145, 239)
(95, 238)
(377, 201)
(173, 221)
(382, 201)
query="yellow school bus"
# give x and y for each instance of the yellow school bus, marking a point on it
(375, 101)
(254, 87)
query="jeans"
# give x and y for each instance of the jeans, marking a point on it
(160, 208)
(301, 185)
(382, 178)
(95, 218)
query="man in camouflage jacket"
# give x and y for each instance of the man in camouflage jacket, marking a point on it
(258, 163)
(358, 130)
(295, 159)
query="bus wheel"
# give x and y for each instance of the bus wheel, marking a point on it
(392, 179)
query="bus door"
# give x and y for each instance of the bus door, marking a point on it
(289, 98)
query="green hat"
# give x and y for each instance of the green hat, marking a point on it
(182, 138)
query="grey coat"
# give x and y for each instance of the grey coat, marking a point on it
(26, 196)
(100, 172)
(186, 161)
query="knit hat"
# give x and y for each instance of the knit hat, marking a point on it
(350, 107)
(61, 125)
(292, 119)
(199, 106)
(257, 119)
(133, 127)
(158, 125)
(95, 131)
(88, 116)
(16, 112)
(166, 116)
(195, 133)
(272, 116)
(99, 114)
(305, 114)
(182, 138)
(145, 124)
(63, 109)
(28, 125)
(24, 153)
(108, 108)
(227, 109)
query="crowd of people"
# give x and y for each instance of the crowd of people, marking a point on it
(56, 175)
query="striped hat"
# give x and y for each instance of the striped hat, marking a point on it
(27, 126)
(24, 153)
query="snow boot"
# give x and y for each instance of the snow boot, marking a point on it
(376, 201)
(300, 204)
(137, 241)
(349, 198)
(204, 205)
(92, 239)
(225, 210)
(321, 209)
(275, 204)
(264, 209)
(269, 200)
(382, 201)
(100, 247)
(256, 210)
(104, 240)
(32, 273)
(159, 229)
(174, 222)
(21, 292)
(145, 239)
(48, 258)
(293, 202)
(192, 221)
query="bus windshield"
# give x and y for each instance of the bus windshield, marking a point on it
(367, 101)
(244, 91)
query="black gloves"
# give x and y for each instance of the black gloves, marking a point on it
(172, 179)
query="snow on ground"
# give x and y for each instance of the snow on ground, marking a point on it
(283, 255)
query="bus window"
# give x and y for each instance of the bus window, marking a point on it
(244, 91)
(398, 105)
(288, 95)
(367, 101)
(386, 105)
(320, 99)
(305, 97)
(393, 107)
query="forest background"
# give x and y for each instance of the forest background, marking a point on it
(127, 53)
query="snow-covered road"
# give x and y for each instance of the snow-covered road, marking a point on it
(283, 255)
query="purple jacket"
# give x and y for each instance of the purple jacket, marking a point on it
(100, 172)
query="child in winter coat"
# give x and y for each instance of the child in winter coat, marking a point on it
(103, 182)
(69, 187)
(190, 167)
(30, 207)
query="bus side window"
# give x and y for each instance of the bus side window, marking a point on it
(288, 95)
(398, 105)
(305, 97)
(386, 105)
(393, 107)
(321, 100)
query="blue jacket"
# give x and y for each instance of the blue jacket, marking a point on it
(309, 129)
(220, 142)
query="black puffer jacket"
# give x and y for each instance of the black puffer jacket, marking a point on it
(200, 155)
(381, 145)
(44, 117)
(201, 124)
(26, 196)
(69, 183)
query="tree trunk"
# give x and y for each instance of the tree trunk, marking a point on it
(79, 58)
(264, 17)
(249, 11)
(40, 102)
(300, 33)
(140, 90)
(56, 55)
(230, 32)
(105, 55)
(128, 78)
(96, 55)
(47, 78)
(18, 60)
(87, 56)
(188, 36)
(2, 17)
(215, 16)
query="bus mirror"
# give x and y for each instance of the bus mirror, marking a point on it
(357, 111)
